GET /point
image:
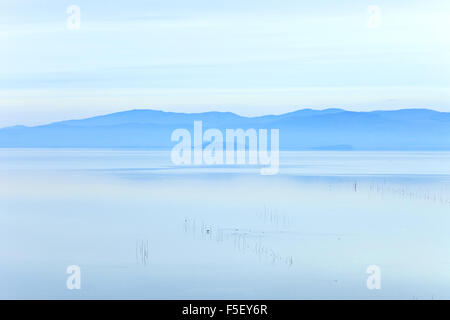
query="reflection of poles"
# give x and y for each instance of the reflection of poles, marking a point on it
(243, 240)
(146, 253)
(142, 252)
(189, 226)
(240, 242)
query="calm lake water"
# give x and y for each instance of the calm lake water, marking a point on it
(139, 227)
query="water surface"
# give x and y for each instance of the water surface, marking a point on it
(139, 227)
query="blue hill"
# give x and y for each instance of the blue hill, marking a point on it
(306, 129)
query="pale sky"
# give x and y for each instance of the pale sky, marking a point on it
(250, 57)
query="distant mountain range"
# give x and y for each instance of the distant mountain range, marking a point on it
(306, 129)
